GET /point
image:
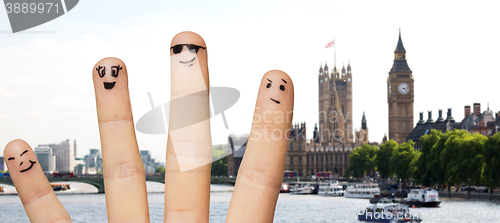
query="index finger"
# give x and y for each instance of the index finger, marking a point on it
(261, 171)
(124, 177)
(189, 146)
(35, 192)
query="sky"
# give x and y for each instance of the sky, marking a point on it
(47, 94)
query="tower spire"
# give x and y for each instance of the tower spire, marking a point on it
(400, 47)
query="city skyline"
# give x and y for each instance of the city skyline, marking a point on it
(46, 80)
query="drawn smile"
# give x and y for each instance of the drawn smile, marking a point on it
(189, 61)
(109, 85)
(32, 162)
(277, 102)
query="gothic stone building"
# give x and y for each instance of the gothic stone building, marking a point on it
(400, 96)
(331, 145)
(486, 123)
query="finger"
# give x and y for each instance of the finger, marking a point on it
(124, 178)
(189, 146)
(37, 196)
(261, 171)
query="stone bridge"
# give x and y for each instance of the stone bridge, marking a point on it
(98, 182)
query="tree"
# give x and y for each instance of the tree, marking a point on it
(413, 166)
(401, 159)
(491, 168)
(422, 173)
(383, 158)
(471, 157)
(219, 165)
(463, 157)
(449, 153)
(362, 160)
(160, 170)
(435, 165)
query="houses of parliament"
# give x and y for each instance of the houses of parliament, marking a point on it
(335, 138)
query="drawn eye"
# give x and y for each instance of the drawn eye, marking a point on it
(282, 87)
(115, 70)
(268, 85)
(101, 72)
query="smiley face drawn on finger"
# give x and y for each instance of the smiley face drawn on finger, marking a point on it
(282, 88)
(177, 49)
(115, 70)
(31, 163)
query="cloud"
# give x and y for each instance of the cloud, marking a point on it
(4, 93)
(6, 116)
(33, 114)
(67, 102)
(23, 81)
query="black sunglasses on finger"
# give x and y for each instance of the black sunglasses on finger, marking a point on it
(191, 47)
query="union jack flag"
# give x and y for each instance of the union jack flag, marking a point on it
(330, 44)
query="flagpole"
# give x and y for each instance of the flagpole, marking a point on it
(334, 53)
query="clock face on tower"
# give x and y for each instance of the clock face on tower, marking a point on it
(403, 88)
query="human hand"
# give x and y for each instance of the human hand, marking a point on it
(188, 158)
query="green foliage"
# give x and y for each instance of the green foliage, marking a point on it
(383, 158)
(160, 170)
(491, 161)
(435, 166)
(362, 160)
(401, 159)
(422, 172)
(219, 166)
(413, 164)
(453, 157)
(463, 156)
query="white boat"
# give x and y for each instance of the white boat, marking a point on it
(303, 188)
(386, 211)
(330, 188)
(362, 190)
(427, 197)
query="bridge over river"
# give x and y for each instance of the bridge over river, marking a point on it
(98, 182)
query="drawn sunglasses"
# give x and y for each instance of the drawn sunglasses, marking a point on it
(191, 47)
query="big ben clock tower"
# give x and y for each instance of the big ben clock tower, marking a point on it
(400, 96)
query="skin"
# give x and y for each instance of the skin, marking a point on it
(187, 176)
(39, 200)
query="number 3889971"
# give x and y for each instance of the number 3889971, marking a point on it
(32, 8)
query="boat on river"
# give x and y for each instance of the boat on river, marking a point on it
(285, 188)
(362, 190)
(427, 197)
(60, 187)
(330, 188)
(304, 188)
(387, 211)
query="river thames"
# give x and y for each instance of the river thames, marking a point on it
(290, 208)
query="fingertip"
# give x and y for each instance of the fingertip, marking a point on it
(19, 157)
(188, 58)
(280, 75)
(111, 59)
(13, 147)
(276, 91)
(107, 63)
(32, 186)
(110, 73)
(188, 37)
